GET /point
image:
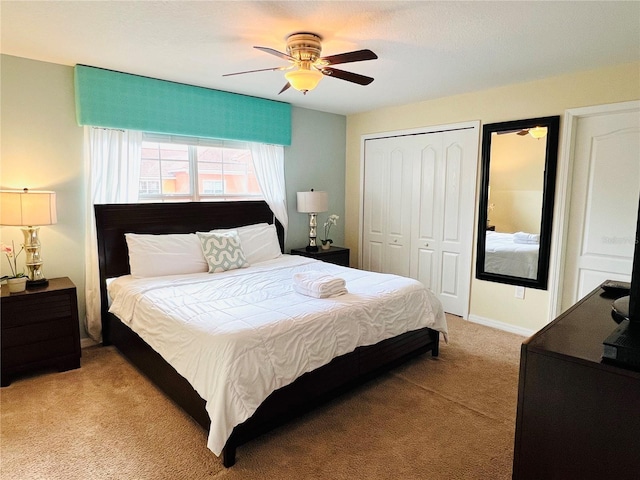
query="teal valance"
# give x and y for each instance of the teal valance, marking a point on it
(105, 98)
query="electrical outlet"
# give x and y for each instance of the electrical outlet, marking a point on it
(520, 292)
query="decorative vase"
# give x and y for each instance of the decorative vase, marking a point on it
(17, 285)
(326, 246)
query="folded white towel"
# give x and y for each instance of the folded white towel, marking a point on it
(522, 237)
(318, 284)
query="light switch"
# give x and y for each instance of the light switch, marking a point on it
(520, 292)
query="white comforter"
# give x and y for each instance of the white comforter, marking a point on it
(506, 257)
(239, 335)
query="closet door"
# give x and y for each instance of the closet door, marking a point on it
(426, 216)
(418, 207)
(443, 215)
(387, 207)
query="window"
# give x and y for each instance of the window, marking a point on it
(148, 187)
(213, 187)
(175, 169)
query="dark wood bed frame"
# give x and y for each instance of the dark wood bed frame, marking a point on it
(308, 391)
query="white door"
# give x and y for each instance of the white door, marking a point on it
(418, 210)
(387, 207)
(605, 187)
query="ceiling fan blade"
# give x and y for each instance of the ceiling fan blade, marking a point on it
(254, 71)
(523, 132)
(276, 53)
(348, 76)
(518, 131)
(286, 87)
(357, 56)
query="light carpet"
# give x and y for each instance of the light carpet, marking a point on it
(450, 417)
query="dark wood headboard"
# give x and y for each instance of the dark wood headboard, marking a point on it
(114, 220)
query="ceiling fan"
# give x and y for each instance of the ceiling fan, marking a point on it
(535, 132)
(307, 66)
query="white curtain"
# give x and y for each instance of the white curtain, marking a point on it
(268, 161)
(112, 169)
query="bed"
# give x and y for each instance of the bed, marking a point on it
(505, 254)
(286, 400)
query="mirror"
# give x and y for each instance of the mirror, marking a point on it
(519, 160)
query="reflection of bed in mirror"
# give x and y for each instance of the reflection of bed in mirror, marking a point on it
(513, 254)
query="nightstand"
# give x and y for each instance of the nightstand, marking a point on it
(39, 329)
(337, 255)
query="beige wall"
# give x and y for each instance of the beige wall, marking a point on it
(552, 96)
(516, 182)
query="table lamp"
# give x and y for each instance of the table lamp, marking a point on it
(312, 203)
(29, 209)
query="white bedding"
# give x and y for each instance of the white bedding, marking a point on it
(506, 257)
(239, 335)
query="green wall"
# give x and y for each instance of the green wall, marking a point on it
(315, 159)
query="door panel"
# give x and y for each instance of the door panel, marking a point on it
(374, 219)
(396, 188)
(387, 207)
(398, 210)
(396, 260)
(460, 168)
(427, 189)
(453, 177)
(427, 215)
(426, 271)
(374, 256)
(603, 203)
(450, 273)
(373, 195)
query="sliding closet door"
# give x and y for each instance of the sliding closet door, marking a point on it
(418, 207)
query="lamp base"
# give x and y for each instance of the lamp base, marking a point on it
(40, 283)
(313, 223)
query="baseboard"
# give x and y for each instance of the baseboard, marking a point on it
(87, 342)
(507, 327)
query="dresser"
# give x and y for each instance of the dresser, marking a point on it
(578, 418)
(336, 255)
(39, 329)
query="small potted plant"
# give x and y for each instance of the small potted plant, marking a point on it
(326, 242)
(17, 282)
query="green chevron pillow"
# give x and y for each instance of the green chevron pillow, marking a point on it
(222, 251)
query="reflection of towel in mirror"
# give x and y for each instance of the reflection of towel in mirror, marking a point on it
(522, 237)
(318, 284)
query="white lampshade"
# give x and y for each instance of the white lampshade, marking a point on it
(27, 207)
(313, 202)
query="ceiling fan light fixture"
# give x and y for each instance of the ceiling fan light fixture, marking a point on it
(303, 54)
(538, 132)
(303, 80)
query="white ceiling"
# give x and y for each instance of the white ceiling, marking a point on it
(426, 49)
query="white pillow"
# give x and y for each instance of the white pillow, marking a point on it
(159, 255)
(222, 251)
(259, 242)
